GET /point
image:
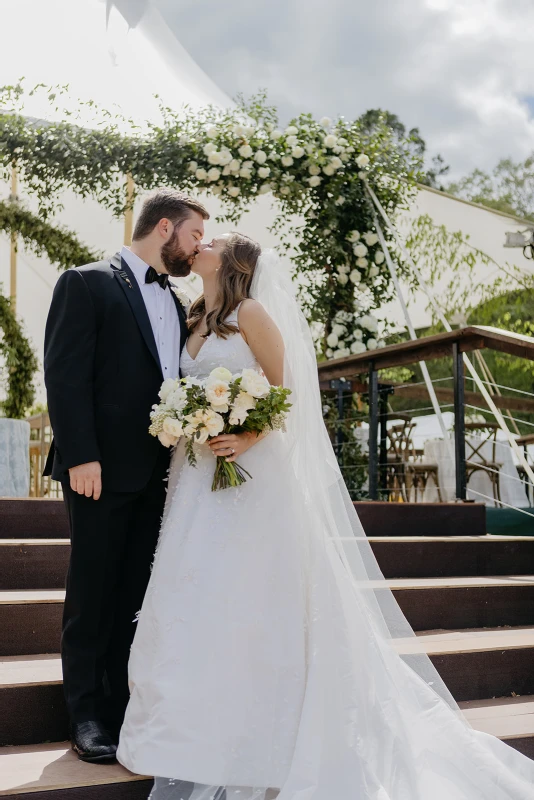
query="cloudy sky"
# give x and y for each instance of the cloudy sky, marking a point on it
(460, 70)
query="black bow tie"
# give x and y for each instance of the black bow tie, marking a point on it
(152, 275)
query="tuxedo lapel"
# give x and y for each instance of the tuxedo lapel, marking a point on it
(184, 330)
(130, 287)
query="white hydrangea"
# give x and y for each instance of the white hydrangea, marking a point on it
(379, 257)
(287, 161)
(201, 174)
(357, 347)
(297, 152)
(360, 250)
(330, 141)
(370, 238)
(260, 156)
(245, 151)
(314, 169)
(291, 130)
(353, 236)
(233, 191)
(314, 181)
(363, 161)
(214, 174)
(264, 172)
(355, 276)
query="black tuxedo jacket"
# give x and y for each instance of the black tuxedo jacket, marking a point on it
(102, 375)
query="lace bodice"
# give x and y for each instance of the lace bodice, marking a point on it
(232, 353)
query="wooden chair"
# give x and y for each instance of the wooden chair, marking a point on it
(491, 466)
(407, 471)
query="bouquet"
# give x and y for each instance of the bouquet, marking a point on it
(199, 410)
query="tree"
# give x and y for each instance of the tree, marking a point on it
(509, 187)
(411, 140)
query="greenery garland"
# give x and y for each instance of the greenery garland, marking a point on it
(20, 363)
(312, 169)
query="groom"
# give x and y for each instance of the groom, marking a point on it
(115, 330)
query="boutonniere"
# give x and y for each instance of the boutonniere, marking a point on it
(184, 298)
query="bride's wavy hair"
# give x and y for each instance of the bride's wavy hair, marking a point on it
(238, 262)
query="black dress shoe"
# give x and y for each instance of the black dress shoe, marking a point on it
(93, 743)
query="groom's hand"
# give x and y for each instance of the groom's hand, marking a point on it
(87, 479)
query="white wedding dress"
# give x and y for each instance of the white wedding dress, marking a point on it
(263, 664)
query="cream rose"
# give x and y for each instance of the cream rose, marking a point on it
(218, 392)
(255, 384)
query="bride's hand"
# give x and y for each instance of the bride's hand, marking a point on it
(232, 445)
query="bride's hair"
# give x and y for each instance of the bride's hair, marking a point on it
(238, 262)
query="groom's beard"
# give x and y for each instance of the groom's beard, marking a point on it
(174, 258)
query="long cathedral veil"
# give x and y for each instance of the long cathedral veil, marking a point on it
(377, 721)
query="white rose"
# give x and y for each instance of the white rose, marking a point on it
(325, 122)
(355, 276)
(342, 352)
(329, 354)
(344, 268)
(339, 330)
(212, 133)
(370, 238)
(330, 141)
(336, 162)
(227, 170)
(361, 262)
(379, 257)
(225, 157)
(234, 165)
(358, 334)
(264, 172)
(214, 158)
(381, 343)
(213, 422)
(254, 383)
(342, 279)
(234, 191)
(291, 130)
(315, 180)
(291, 141)
(201, 174)
(297, 152)
(287, 161)
(218, 392)
(167, 440)
(172, 427)
(192, 166)
(239, 131)
(372, 344)
(332, 339)
(314, 169)
(373, 272)
(360, 250)
(362, 161)
(220, 374)
(353, 236)
(249, 129)
(276, 134)
(166, 388)
(245, 151)
(245, 172)
(260, 157)
(285, 190)
(357, 348)
(214, 174)
(329, 170)
(216, 190)
(265, 188)
(209, 148)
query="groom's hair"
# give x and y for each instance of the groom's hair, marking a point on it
(166, 204)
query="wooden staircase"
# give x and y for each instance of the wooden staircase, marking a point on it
(469, 597)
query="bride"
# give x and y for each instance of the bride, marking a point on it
(270, 659)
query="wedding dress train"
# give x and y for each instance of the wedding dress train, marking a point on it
(268, 659)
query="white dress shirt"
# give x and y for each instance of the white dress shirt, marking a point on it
(162, 313)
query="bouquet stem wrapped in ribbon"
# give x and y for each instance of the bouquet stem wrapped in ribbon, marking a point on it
(200, 410)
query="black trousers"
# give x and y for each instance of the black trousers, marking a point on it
(113, 542)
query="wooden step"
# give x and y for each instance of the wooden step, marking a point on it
(43, 563)
(509, 718)
(30, 620)
(33, 563)
(454, 556)
(474, 664)
(33, 517)
(53, 772)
